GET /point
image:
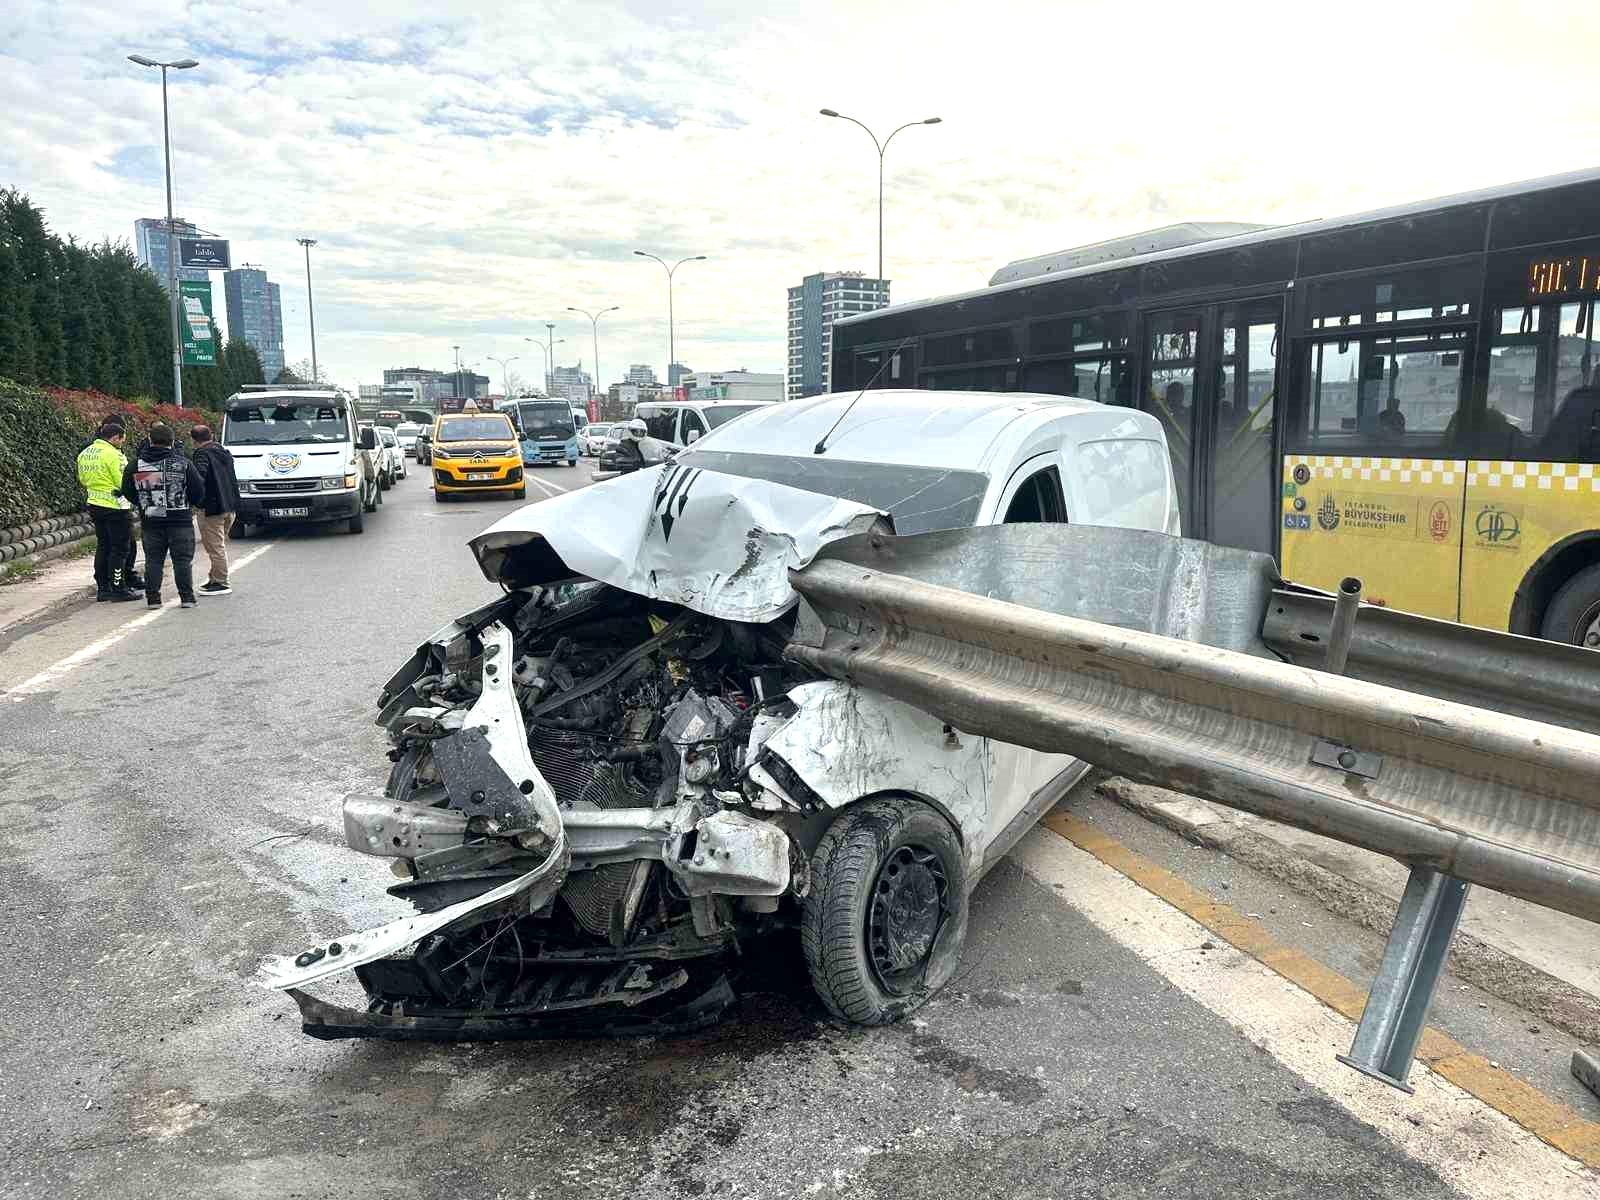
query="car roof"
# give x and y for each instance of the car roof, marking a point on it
(958, 430)
(700, 403)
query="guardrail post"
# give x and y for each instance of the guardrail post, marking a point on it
(1419, 941)
(1397, 1004)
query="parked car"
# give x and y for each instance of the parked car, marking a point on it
(609, 780)
(406, 434)
(593, 438)
(394, 457)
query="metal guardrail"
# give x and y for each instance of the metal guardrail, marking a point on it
(1196, 701)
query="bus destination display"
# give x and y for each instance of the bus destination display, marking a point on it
(1571, 275)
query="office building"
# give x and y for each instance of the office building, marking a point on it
(642, 374)
(572, 384)
(151, 243)
(254, 316)
(820, 300)
(675, 374)
(733, 385)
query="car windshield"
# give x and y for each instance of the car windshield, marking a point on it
(919, 499)
(407, 430)
(597, 428)
(544, 421)
(386, 436)
(282, 424)
(476, 429)
(721, 414)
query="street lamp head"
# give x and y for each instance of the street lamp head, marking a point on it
(934, 121)
(183, 64)
(307, 242)
(142, 60)
(827, 112)
(642, 254)
(698, 258)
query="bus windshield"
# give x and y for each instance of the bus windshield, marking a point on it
(283, 424)
(544, 421)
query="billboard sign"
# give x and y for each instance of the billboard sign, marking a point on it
(205, 254)
(199, 344)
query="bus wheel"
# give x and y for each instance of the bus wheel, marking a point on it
(1574, 615)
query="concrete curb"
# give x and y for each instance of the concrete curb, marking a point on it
(1472, 960)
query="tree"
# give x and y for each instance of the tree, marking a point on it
(85, 322)
(115, 271)
(243, 365)
(24, 226)
(287, 376)
(16, 325)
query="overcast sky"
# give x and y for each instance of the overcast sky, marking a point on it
(472, 170)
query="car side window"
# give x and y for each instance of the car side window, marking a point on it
(1038, 499)
(692, 424)
(660, 423)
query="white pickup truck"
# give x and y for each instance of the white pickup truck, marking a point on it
(300, 458)
(607, 779)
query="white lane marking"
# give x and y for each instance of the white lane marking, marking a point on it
(1470, 1145)
(549, 489)
(51, 674)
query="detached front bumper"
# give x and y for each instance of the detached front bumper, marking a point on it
(318, 506)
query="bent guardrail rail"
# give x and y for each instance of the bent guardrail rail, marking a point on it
(1477, 795)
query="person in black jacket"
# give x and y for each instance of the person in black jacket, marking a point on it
(160, 482)
(215, 514)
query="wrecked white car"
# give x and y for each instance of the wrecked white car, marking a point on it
(609, 780)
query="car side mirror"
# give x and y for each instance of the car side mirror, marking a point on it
(694, 436)
(368, 440)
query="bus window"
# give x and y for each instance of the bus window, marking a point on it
(1172, 345)
(1540, 358)
(1107, 380)
(1386, 395)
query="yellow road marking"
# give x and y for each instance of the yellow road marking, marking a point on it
(1548, 1120)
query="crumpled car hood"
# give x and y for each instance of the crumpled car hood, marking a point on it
(719, 544)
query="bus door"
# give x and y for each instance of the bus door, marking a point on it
(1212, 380)
(1373, 474)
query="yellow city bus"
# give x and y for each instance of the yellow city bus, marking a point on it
(1411, 396)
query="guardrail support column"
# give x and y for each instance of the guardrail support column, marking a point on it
(1397, 1004)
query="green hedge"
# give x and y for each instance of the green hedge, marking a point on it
(41, 433)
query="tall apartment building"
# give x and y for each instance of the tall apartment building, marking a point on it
(820, 300)
(572, 384)
(152, 243)
(642, 374)
(255, 315)
(676, 373)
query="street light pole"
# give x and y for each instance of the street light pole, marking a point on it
(672, 349)
(594, 328)
(311, 310)
(549, 356)
(881, 147)
(182, 64)
(505, 372)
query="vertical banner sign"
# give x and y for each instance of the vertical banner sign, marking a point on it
(199, 347)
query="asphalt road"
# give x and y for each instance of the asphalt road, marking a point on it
(169, 813)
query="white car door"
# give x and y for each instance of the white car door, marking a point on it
(1034, 493)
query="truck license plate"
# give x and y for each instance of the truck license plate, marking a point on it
(480, 475)
(288, 512)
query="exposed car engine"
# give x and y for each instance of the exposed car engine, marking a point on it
(646, 722)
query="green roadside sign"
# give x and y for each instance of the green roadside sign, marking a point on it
(194, 305)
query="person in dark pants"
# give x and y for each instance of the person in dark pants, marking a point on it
(221, 501)
(101, 465)
(159, 483)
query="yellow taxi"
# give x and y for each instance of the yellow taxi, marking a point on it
(476, 452)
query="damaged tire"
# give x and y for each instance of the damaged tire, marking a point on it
(883, 923)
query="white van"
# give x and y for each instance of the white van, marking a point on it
(683, 422)
(300, 458)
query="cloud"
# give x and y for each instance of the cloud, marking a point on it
(470, 173)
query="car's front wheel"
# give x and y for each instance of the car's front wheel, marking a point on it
(886, 915)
